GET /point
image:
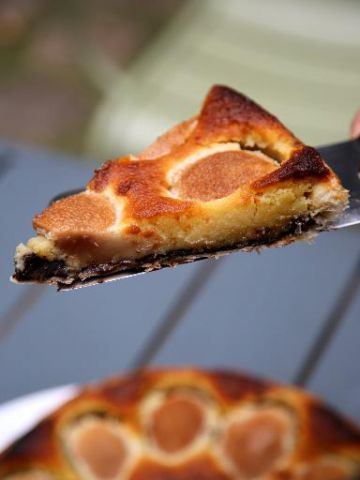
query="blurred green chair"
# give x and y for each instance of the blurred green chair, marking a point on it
(301, 60)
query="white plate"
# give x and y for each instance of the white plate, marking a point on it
(20, 415)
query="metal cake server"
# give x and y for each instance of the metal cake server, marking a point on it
(343, 158)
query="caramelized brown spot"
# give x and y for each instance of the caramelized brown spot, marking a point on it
(36, 444)
(220, 174)
(141, 184)
(202, 468)
(176, 423)
(100, 448)
(329, 428)
(256, 443)
(304, 163)
(326, 471)
(82, 213)
(133, 230)
(230, 111)
(126, 391)
(234, 386)
(228, 115)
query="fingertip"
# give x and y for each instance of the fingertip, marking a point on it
(355, 126)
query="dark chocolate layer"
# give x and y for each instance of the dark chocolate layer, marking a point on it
(37, 269)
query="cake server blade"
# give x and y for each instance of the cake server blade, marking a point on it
(344, 159)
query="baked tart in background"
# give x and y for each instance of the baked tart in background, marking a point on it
(188, 425)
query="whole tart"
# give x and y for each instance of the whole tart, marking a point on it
(188, 424)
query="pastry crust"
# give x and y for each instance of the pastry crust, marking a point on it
(185, 424)
(232, 177)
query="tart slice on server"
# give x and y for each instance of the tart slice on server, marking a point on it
(188, 425)
(232, 177)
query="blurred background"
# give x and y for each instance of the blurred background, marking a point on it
(104, 77)
(82, 81)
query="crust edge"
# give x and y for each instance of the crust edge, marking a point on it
(39, 270)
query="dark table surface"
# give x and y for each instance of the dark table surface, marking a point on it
(258, 313)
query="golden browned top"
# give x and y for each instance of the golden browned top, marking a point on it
(142, 187)
(141, 183)
(187, 424)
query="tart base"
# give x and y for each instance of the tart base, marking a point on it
(57, 272)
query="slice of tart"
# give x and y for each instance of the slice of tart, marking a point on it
(188, 425)
(232, 177)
